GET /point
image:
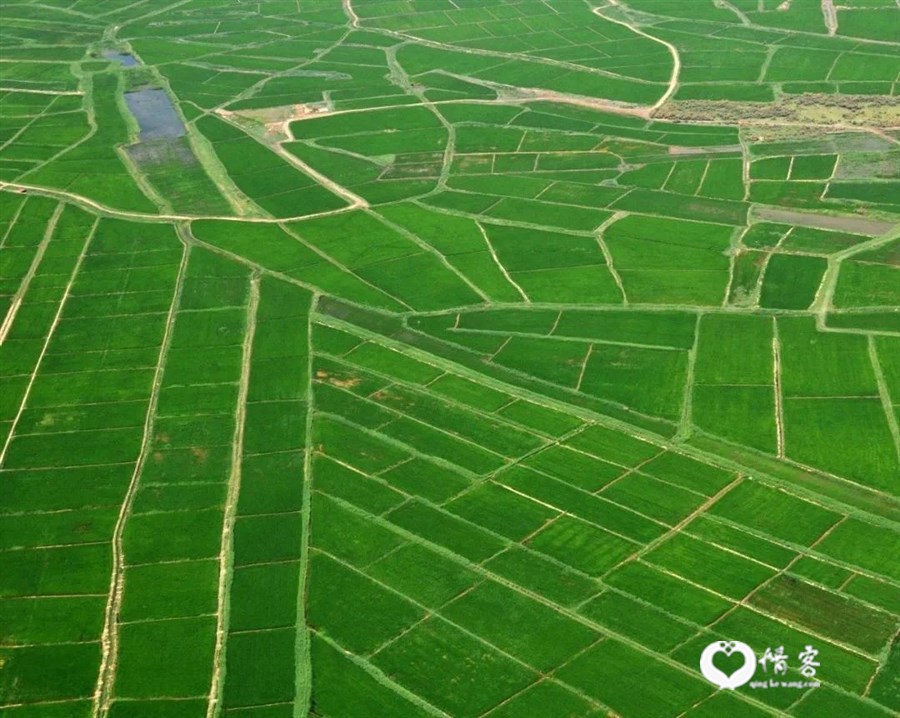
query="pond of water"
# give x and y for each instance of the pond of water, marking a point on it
(155, 114)
(123, 58)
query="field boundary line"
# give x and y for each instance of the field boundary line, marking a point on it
(105, 211)
(41, 92)
(19, 296)
(607, 255)
(226, 555)
(12, 220)
(687, 397)
(854, 571)
(776, 386)
(353, 200)
(823, 301)
(885, 394)
(439, 361)
(450, 401)
(701, 509)
(830, 16)
(504, 57)
(43, 114)
(499, 264)
(736, 246)
(745, 603)
(50, 333)
(882, 663)
(427, 247)
(302, 643)
(109, 640)
(484, 575)
(529, 593)
(584, 363)
(290, 231)
(383, 680)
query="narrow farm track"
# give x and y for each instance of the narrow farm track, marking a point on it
(105, 211)
(354, 201)
(303, 675)
(829, 13)
(19, 296)
(779, 395)
(676, 57)
(884, 393)
(824, 300)
(226, 552)
(499, 264)
(351, 13)
(109, 640)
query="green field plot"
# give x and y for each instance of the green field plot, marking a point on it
(475, 676)
(339, 593)
(93, 168)
(807, 239)
(709, 566)
(266, 178)
(861, 284)
(159, 658)
(530, 631)
(620, 373)
(666, 261)
(805, 352)
(342, 687)
(582, 546)
(669, 689)
(814, 437)
(404, 359)
(791, 281)
(765, 508)
(846, 619)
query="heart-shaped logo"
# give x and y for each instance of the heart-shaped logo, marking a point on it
(718, 677)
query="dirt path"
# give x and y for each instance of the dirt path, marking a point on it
(109, 639)
(355, 201)
(607, 255)
(884, 394)
(351, 13)
(226, 553)
(104, 211)
(41, 92)
(725, 5)
(29, 275)
(776, 378)
(676, 58)
(685, 421)
(830, 14)
(823, 303)
(302, 647)
(500, 266)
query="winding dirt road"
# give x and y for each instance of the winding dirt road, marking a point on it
(676, 58)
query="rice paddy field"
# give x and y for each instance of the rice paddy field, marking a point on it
(449, 358)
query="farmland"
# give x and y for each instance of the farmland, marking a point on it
(380, 359)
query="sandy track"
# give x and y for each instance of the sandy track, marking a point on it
(676, 58)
